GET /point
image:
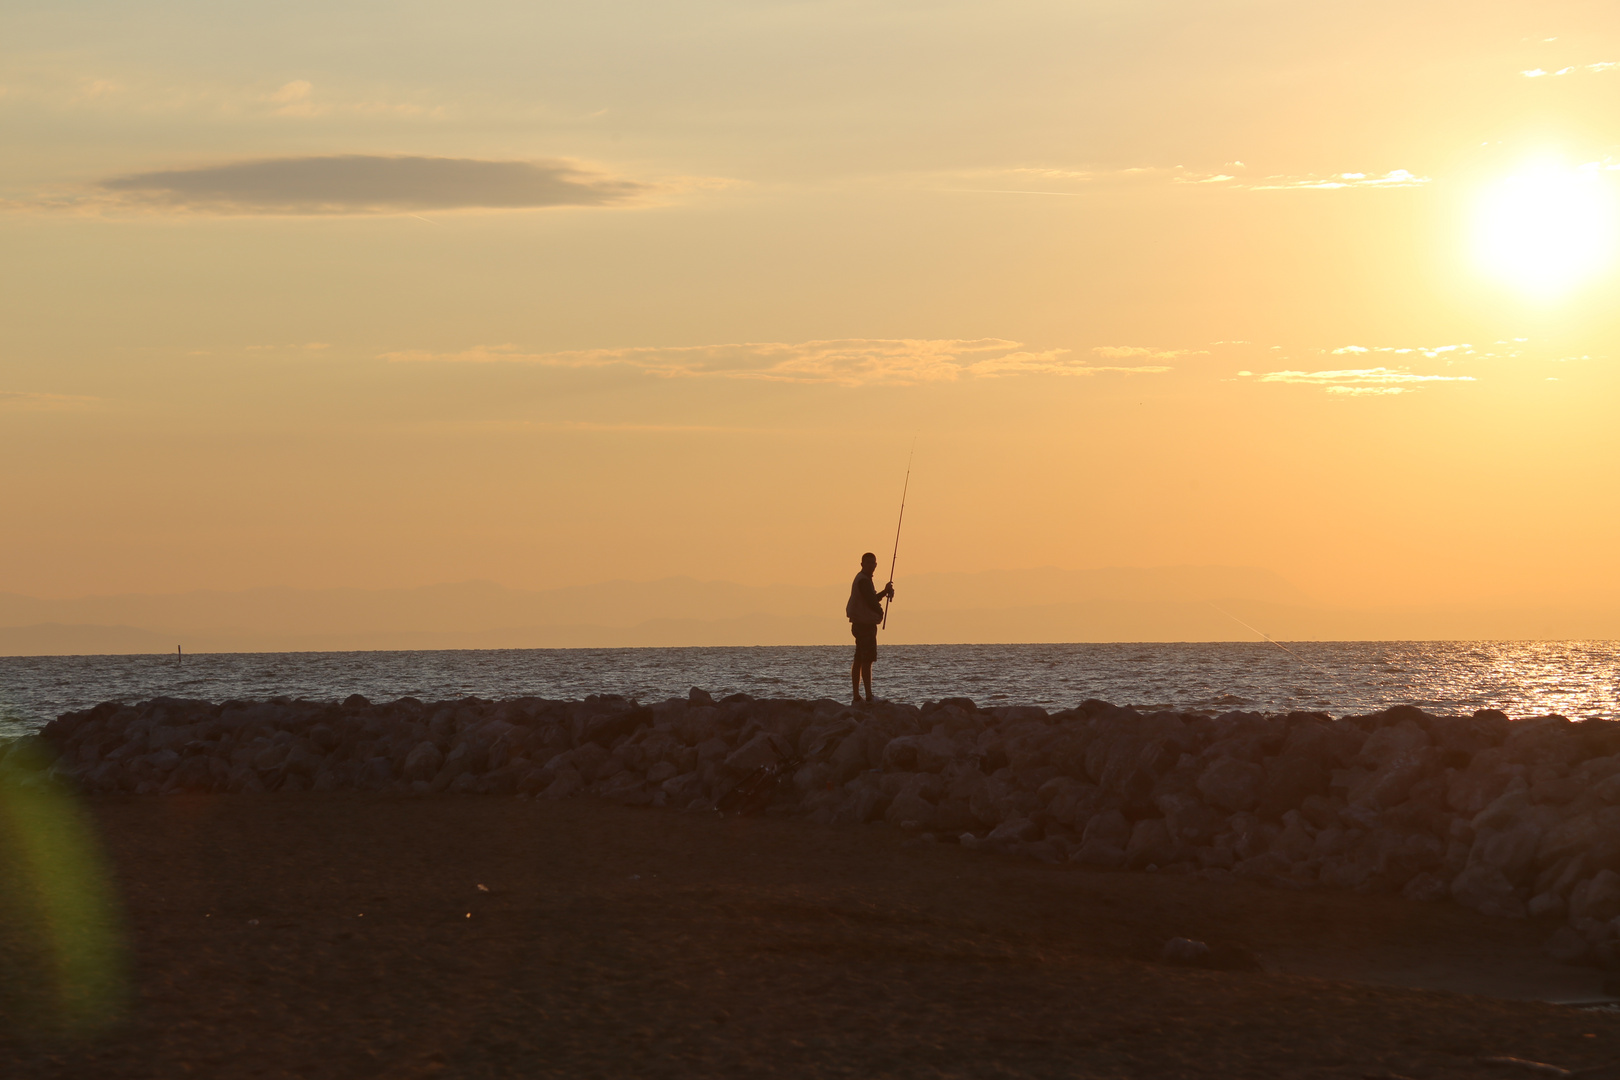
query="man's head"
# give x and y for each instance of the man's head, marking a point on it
(869, 562)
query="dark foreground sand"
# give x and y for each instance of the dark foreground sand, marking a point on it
(618, 942)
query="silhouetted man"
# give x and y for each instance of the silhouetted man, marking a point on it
(865, 611)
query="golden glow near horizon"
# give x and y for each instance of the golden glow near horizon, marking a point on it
(1550, 227)
(298, 294)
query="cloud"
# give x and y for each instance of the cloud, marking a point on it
(365, 184)
(1360, 382)
(22, 401)
(97, 89)
(1395, 178)
(1076, 181)
(1126, 352)
(1540, 73)
(154, 93)
(596, 427)
(298, 99)
(293, 99)
(843, 362)
(1432, 352)
(1366, 391)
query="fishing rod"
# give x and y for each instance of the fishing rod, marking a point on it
(887, 600)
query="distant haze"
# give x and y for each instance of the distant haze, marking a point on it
(1042, 605)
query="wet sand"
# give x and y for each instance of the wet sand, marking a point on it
(345, 936)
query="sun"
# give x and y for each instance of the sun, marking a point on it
(1548, 228)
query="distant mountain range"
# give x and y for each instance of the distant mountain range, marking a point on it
(1182, 603)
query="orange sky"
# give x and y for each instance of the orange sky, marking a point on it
(549, 296)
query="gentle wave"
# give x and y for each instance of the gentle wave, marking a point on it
(1579, 679)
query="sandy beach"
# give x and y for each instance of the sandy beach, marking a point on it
(341, 935)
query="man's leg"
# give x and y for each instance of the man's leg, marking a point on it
(866, 677)
(855, 682)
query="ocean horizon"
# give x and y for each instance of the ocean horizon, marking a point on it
(1577, 679)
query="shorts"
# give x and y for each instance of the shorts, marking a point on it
(865, 641)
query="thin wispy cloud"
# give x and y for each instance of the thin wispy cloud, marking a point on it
(370, 184)
(1363, 381)
(1142, 352)
(844, 362)
(1395, 178)
(25, 401)
(1573, 69)
(596, 427)
(97, 90)
(1393, 375)
(145, 93)
(295, 99)
(1432, 352)
(1050, 181)
(300, 99)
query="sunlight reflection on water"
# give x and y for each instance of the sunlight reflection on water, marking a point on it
(1522, 678)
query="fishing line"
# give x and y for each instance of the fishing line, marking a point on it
(896, 556)
(1280, 645)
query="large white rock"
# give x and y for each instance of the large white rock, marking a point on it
(1391, 779)
(1488, 775)
(762, 749)
(1110, 826)
(908, 809)
(1546, 904)
(697, 725)
(1103, 842)
(1503, 811)
(1598, 897)
(919, 753)
(855, 753)
(682, 789)
(1483, 888)
(1426, 888)
(162, 760)
(423, 762)
(1263, 867)
(1231, 784)
(1296, 841)
(625, 787)
(1393, 741)
(856, 804)
(1608, 790)
(1597, 835)
(1150, 844)
(1568, 946)
(1512, 851)
(1016, 830)
(1189, 819)
(569, 782)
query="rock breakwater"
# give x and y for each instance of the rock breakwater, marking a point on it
(1511, 818)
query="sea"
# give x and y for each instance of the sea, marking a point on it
(1577, 679)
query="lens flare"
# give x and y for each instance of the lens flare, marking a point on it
(1548, 228)
(64, 969)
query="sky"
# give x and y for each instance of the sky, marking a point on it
(385, 295)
